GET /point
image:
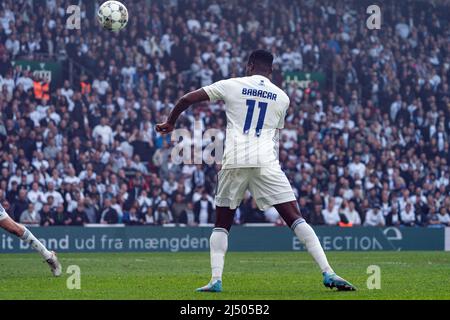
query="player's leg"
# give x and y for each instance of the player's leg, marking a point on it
(218, 241)
(290, 213)
(231, 186)
(23, 233)
(218, 244)
(272, 188)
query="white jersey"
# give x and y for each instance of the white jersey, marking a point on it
(255, 110)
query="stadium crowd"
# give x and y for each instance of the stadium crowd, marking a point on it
(370, 147)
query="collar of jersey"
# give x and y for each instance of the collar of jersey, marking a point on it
(258, 75)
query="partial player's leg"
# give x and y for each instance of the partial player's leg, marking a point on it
(290, 213)
(23, 233)
(218, 244)
(219, 240)
(232, 184)
(272, 188)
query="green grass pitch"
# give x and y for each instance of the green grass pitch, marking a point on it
(248, 275)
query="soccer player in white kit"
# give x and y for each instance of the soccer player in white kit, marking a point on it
(255, 109)
(23, 233)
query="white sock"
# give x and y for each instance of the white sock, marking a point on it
(218, 243)
(308, 237)
(35, 244)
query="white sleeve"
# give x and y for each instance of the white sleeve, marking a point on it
(283, 116)
(216, 91)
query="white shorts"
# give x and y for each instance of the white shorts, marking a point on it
(3, 214)
(268, 186)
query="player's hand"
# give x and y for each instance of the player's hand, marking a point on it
(164, 128)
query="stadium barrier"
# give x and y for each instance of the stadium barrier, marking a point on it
(243, 238)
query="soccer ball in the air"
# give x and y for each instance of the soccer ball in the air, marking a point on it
(112, 15)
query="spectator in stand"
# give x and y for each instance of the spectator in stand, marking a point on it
(407, 216)
(149, 218)
(374, 218)
(204, 209)
(188, 216)
(36, 196)
(20, 205)
(377, 125)
(305, 208)
(132, 217)
(331, 213)
(357, 169)
(61, 217)
(47, 216)
(51, 192)
(91, 210)
(316, 217)
(351, 214)
(178, 207)
(79, 216)
(30, 216)
(444, 217)
(393, 218)
(108, 214)
(103, 132)
(163, 214)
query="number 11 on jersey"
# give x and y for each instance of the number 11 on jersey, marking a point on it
(248, 119)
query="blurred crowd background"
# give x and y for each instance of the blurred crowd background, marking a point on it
(367, 146)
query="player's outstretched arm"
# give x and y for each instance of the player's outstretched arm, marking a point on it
(185, 102)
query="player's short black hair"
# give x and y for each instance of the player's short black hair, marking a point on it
(261, 58)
